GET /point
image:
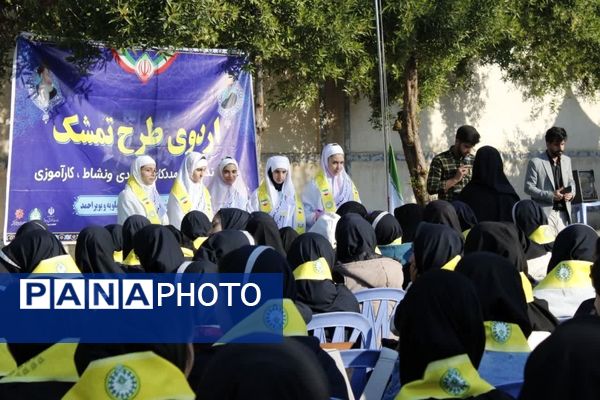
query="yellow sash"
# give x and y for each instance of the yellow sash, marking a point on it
(451, 265)
(453, 377)
(56, 363)
(118, 256)
(276, 316)
(60, 264)
(7, 362)
(198, 241)
(567, 274)
(505, 337)
(181, 195)
(527, 288)
(466, 233)
(326, 193)
(141, 375)
(317, 270)
(189, 253)
(148, 205)
(264, 204)
(543, 234)
(132, 259)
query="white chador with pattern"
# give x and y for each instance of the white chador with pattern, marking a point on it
(283, 202)
(225, 195)
(196, 191)
(341, 186)
(129, 204)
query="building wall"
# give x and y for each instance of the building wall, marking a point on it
(497, 109)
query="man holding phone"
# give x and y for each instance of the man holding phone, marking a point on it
(450, 171)
(549, 180)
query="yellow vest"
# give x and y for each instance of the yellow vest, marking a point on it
(148, 205)
(505, 337)
(183, 199)
(327, 194)
(141, 375)
(56, 363)
(453, 377)
(265, 205)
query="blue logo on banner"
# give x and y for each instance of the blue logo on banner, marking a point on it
(132, 308)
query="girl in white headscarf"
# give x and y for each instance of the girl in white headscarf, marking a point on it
(227, 188)
(188, 192)
(140, 196)
(277, 197)
(331, 187)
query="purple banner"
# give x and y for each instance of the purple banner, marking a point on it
(74, 135)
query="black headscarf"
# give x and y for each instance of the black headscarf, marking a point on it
(565, 366)
(28, 250)
(277, 186)
(287, 235)
(116, 232)
(264, 371)
(528, 216)
(268, 261)
(499, 288)
(501, 238)
(489, 193)
(442, 212)
(264, 230)
(575, 242)
(409, 216)
(94, 251)
(157, 249)
(200, 267)
(177, 233)
(233, 218)
(466, 216)
(320, 295)
(440, 317)
(387, 229)
(355, 239)
(195, 224)
(221, 243)
(435, 245)
(30, 226)
(132, 225)
(352, 207)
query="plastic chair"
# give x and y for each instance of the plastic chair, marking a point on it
(358, 324)
(380, 319)
(371, 371)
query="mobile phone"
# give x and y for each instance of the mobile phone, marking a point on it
(567, 189)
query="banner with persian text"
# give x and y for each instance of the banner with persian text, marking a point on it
(75, 133)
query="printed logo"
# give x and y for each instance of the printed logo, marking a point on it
(318, 267)
(501, 331)
(51, 211)
(36, 213)
(231, 98)
(275, 317)
(564, 272)
(329, 204)
(122, 383)
(19, 213)
(143, 65)
(453, 383)
(61, 268)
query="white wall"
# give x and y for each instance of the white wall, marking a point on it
(503, 117)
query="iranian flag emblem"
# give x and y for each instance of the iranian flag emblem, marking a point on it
(143, 64)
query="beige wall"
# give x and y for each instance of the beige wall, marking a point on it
(504, 118)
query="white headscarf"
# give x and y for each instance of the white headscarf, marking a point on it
(284, 202)
(195, 190)
(325, 226)
(136, 172)
(224, 195)
(341, 184)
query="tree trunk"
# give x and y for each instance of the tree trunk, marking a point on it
(259, 109)
(409, 133)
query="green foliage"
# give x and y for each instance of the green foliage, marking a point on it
(299, 43)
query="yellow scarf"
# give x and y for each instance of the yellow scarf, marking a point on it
(266, 206)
